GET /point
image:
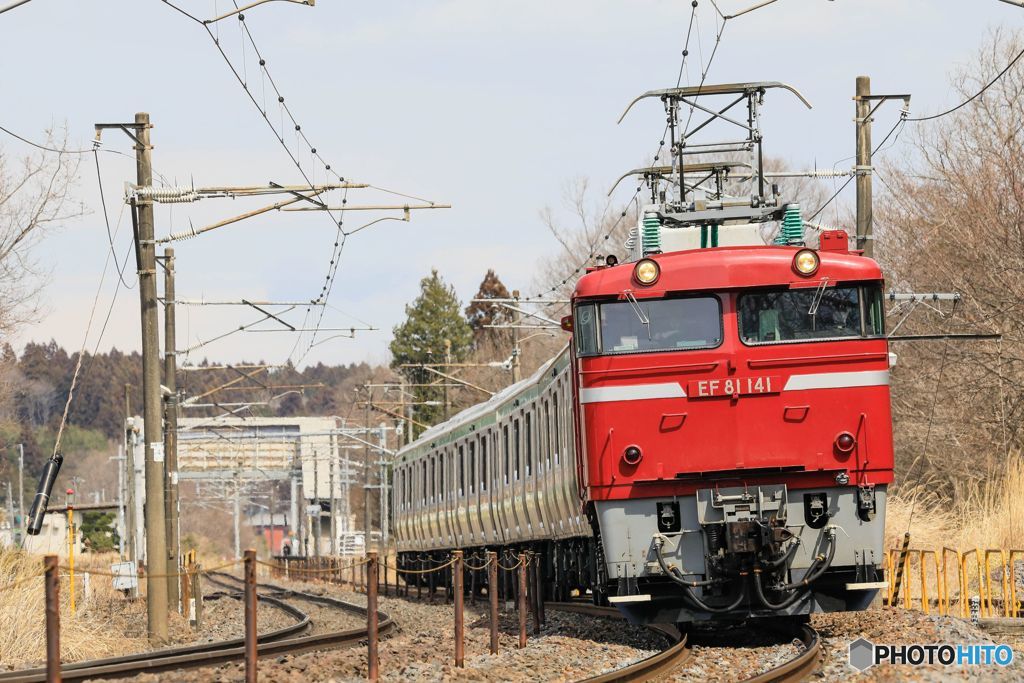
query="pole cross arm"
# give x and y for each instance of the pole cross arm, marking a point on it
(457, 380)
(747, 89)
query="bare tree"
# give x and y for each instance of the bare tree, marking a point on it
(35, 196)
(953, 220)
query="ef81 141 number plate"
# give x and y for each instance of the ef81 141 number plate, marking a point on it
(734, 386)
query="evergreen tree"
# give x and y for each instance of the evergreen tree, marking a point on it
(433, 321)
(479, 313)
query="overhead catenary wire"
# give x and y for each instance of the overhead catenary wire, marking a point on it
(972, 97)
(705, 69)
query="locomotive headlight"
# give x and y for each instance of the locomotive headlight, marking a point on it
(806, 262)
(646, 271)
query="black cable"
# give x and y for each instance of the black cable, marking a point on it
(975, 95)
(44, 147)
(850, 179)
(106, 220)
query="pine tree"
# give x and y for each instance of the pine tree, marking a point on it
(479, 314)
(433, 319)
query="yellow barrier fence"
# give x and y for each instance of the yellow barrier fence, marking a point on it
(988, 574)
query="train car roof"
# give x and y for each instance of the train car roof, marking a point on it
(474, 413)
(728, 268)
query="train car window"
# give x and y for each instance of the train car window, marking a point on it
(678, 324)
(462, 469)
(433, 477)
(472, 466)
(796, 315)
(423, 482)
(483, 463)
(515, 449)
(875, 303)
(546, 431)
(506, 451)
(558, 426)
(442, 461)
(585, 329)
(528, 442)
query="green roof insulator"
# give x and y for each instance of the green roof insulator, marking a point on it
(650, 236)
(792, 231)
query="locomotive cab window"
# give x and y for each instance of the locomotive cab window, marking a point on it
(819, 313)
(643, 326)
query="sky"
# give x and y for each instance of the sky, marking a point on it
(494, 107)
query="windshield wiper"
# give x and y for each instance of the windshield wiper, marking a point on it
(644, 320)
(816, 301)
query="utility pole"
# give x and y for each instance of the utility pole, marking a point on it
(866, 105)
(383, 484)
(865, 239)
(517, 370)
(334, 502)
(21, 489)
(367, 468)
(315, 503)
(238, 515)
(145, 255)
(171, 430)
(447, 367)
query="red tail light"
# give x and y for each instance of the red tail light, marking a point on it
(846, 442)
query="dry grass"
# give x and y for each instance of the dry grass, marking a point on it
(988, 513)
(105, 625)
(985, 515)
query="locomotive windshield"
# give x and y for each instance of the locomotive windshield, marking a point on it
(791, 315)
(621, 327)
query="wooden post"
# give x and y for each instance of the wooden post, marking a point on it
(534, 597)
(492, 597)
(197, 596)
(250, 616)
(460, 654)
(52, 590)
(472, 587)
(371, 618)
(540, 589)
(71, 557)
(522, 600)
(430, 584)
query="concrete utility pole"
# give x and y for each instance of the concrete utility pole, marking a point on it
(171, 430)
(382, 440)
(865, 238)
(367, 467)
(238, 515)
(517, 320)
(21, 490)
(145, 254)
(448, 368)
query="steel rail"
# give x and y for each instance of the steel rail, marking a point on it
(801, 667)
(650, 668)
(660, 665)
(270, 644)
(112, 665)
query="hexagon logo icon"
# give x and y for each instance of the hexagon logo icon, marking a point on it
(862, 654)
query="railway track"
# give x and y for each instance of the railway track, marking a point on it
(676, 656)
(285, 640)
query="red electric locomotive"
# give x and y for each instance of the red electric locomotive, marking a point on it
(733, 422)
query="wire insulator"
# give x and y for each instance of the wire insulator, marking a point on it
(168, 195)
